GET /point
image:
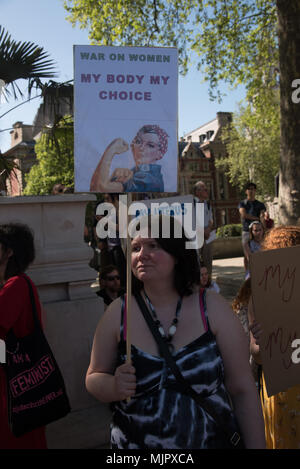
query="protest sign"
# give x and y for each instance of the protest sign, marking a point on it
(125, 119)
(189, 213)
(275, 280)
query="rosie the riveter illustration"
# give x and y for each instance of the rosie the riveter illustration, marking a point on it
(148, 146)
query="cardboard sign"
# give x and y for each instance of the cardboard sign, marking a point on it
(125, 119)
(275, 280)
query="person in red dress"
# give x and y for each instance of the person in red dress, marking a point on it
(16, 254)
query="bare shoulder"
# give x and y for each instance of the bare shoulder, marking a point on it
(230, 336)
(219, 311)
(216, 301)
(106, 339)
(111, 319)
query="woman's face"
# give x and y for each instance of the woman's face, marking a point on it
(257, 232)
(203, 276)
(149, 261)
(146, 148)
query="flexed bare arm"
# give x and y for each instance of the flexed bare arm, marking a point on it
(101, 182)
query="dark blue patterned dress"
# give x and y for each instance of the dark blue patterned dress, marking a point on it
(160, 416)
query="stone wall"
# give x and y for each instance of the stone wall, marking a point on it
(72, 310)
(226, 248)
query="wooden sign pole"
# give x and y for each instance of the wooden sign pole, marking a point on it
(128, 286)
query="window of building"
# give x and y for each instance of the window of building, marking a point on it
(210, 188)
(222, 186)
(224, 216)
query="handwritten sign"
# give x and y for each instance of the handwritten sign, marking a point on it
(275, 280)
(125, 119)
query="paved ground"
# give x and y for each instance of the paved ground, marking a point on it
(229, 275)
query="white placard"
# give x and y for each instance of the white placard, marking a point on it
(118, 91)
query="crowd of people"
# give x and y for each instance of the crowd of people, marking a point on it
(134, 390)
(192, 377)
(206, 342)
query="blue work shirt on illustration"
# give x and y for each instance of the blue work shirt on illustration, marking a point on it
(146, 178)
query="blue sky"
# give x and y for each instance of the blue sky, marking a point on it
(43, 22)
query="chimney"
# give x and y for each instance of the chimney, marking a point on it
(21, 133)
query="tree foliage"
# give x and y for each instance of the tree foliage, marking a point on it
(22, 60)
(253, 144)
(19, 60)
(55, 160)
(253, 42)
(235, 40)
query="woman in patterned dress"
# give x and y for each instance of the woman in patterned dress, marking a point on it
(208, 345)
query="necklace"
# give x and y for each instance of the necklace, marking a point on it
(172, 329)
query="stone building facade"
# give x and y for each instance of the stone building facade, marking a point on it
(57, 102)
(198, 151)
(23, 154)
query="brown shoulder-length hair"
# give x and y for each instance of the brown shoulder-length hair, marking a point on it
(281, 237)
(186, 270)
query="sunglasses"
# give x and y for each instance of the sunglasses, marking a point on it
(113, 277)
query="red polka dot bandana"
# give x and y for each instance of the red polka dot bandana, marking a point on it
(161, 133)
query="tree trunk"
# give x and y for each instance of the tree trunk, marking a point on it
(289, 60)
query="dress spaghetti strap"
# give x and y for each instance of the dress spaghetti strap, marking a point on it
(203, 309)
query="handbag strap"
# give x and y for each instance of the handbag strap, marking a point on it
(234, 438)
(33, 303)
